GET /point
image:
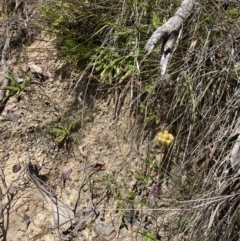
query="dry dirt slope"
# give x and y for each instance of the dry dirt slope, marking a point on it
(104, 154)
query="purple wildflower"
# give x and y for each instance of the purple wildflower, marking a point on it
(154, 189)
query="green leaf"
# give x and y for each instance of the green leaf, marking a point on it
(124, 77)
(155, 19)
(13, 79)
(56, 130)
(60, 138)
(10, 88)
(25, 83)
(74, 126)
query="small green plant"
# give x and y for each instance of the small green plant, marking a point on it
(113, 66)
(16, 87)
(233, 13)
(150, 112)
(148, 237)
(108, 37)
(62, 132)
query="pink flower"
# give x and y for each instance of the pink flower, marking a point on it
(154, 189)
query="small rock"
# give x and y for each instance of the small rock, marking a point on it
(105, 228)
(131, 184)
(40, 219)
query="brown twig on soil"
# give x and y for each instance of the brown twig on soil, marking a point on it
(80, 188)
(1, 216)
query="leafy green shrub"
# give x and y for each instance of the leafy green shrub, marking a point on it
(108, 38)
(108, 35)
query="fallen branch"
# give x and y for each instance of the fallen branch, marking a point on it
(169, 32)
(2, 231)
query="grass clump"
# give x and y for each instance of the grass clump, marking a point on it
(62, 132)
(108, 36)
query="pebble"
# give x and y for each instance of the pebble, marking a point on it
(105, 228)
(40, 219)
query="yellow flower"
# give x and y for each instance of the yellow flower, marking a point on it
(168, 142)
(165, 138)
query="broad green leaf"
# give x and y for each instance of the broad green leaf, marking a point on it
(10, 88)
(60, 138)
(13, 79)
(74, 125)
(25, 83)
(55, 130)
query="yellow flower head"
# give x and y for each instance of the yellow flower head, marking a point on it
(165, 138)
